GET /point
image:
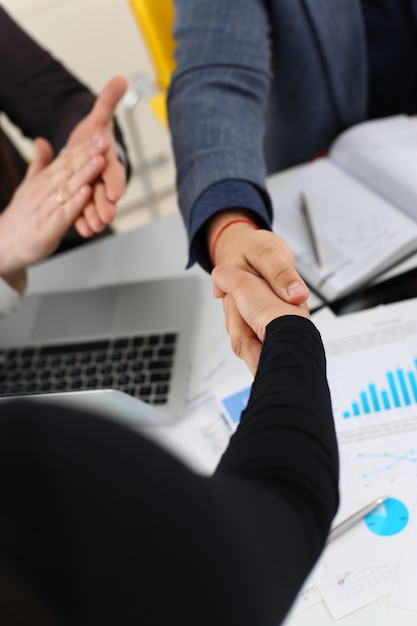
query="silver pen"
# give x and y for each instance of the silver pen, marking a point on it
(354, 518)
(308, 221)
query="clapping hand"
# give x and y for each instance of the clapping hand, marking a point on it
(109, 186)
(51, 197)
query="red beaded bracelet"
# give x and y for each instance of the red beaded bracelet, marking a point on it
(216, 238)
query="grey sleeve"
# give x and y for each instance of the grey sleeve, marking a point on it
(218, 94)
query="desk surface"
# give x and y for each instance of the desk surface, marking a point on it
(159, 250)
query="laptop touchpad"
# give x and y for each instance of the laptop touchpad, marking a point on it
(75, 314)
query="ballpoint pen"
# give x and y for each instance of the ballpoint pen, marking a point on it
(354, 518)
(306, 214)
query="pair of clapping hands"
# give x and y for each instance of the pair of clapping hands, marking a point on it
(256, 277)
(81, 186)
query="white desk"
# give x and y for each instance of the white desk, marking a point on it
(159, 250)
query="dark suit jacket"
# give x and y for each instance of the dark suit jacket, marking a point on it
(299, 64)
(38, 95)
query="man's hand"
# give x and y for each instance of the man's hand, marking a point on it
(109, 187)
(50, 198)
(249, 305)
(259, 252)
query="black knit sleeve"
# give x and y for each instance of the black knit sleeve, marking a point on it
(102, 527)
(286, 439)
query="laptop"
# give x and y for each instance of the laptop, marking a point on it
(116, 349)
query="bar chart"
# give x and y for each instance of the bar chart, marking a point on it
(399, 389)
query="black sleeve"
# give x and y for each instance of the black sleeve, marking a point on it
(38, 94)
(286, 439)
(101, 527)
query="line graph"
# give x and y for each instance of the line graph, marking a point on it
(386, 461)
(369, 461)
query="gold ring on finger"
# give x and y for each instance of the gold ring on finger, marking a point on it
(59, 199)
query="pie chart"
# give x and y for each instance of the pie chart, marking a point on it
(390, 518)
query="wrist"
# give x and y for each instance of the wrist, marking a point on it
(224, 227)
(17, 279)
(11, 270)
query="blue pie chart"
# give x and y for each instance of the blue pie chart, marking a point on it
(390, 518)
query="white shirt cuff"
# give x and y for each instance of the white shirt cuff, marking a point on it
(9, 298)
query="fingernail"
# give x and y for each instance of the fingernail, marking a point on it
(295, 287)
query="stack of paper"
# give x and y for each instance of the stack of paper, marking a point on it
(372, 373)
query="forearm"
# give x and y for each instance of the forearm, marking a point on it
(241, 542)
(218, 95)
(286, 441)
(238, 542)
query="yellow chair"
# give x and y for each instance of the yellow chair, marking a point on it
(155, 19)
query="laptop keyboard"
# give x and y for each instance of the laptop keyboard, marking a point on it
(139, 365)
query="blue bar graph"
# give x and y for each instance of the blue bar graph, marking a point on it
(374, 396)
(399, 390)
(403, 386)
(364, 402)
(385, 399)
(413, 384)
(393, 389)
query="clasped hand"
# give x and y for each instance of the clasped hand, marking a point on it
(258, 282)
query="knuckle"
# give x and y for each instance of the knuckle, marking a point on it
(67, 167)
(64, 191)
(283, 272)
(237, 344)
(270, 245)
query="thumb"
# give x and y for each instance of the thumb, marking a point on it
(225, 279)
(291, 288)
(42, 156)
(108, 99)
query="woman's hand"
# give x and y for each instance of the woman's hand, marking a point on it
(249, 305)
(51, 197)
(109, 186)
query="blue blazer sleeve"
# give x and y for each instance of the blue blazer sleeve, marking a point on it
(260, 86)
(218, 95)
